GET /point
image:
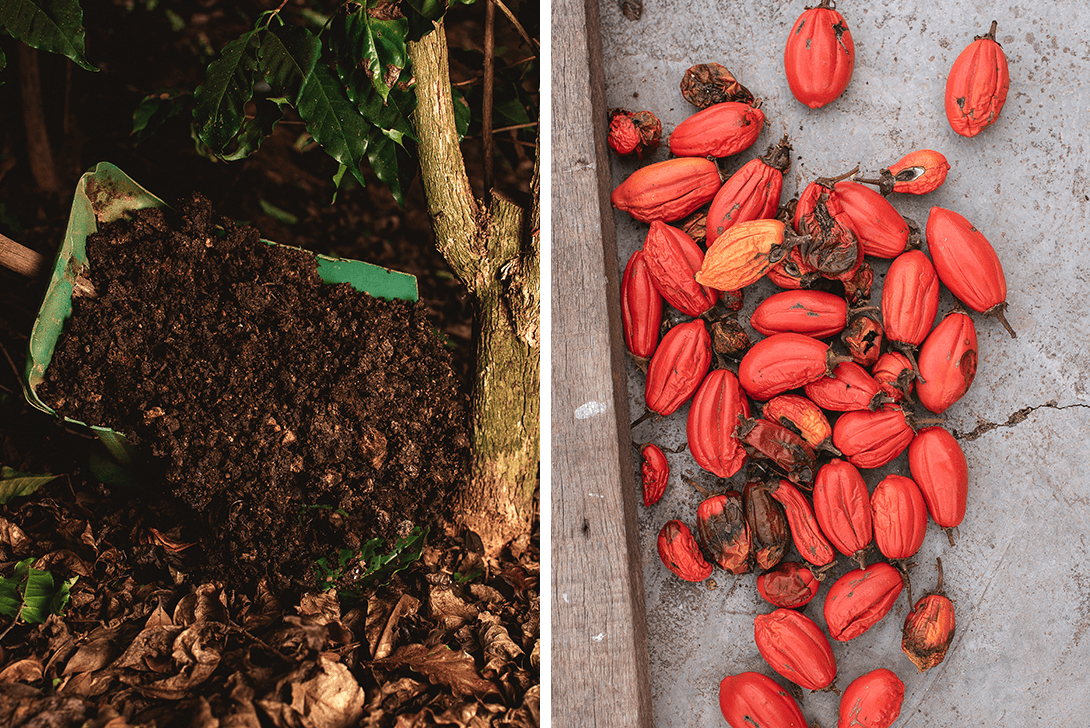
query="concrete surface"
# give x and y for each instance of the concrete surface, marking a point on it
(1019, 574)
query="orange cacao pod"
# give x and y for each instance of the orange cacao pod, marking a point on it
(872, 700)
(717, 131)
(881, 230)
(788, 585)
(787, 451)
(872, 439)
(713, 421)
(750, 699)
(680, 554)
(820, 55)
(929, 628)
(916, 173)
(724, 533)
(744, 253)
(673, 258)
(805, 532)
(947, 363)
(782, 362)
(654, 473)
(966, 262)
(815, 313)
(860, 598)
(667, 190)
(641, 309)
(938, 466)
(706, 84)
(899, 515)
(767, 523)
(910, 298)
(800, 415)
(847, 389)
(751, 193)
(796, 648)
(977, 86)
(842, 508)
(895, 375)
(634, 134)
(678, 367)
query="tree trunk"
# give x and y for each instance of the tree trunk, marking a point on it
(495, 252)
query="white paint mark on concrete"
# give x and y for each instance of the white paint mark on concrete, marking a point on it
(598, 637)
(590, 409)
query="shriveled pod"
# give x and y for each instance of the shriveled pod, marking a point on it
(634, 134)
(805, 532)
(859, 599)
(947, 362)
(729, 338)
(732, 300)
(751, 193)
(641, 310)
(899, 515)
(967, 264)
(881, 230)
(788, 452)
(977, 86)
(847, 389)
(655, 473)
(673, 259)
(863, 338)
(795, 647)
(938, 466)
(767, 523)
(929, 628)
(678, 367)
(895, 374)
(713, 421)
(750, 699)
(789, 585)
(680, 553)
(706, 84)
(792, 272)
(744, 253)
(910, 300)
(724, 533)
(842, 508)
(668, 190)
(801, 416)
(833, 249)
(815, 313)
(696, 227)
(872, 700)
(916, 173)
(783, 362)
(872, 439)
(820, 55)
(718, 131)
(857, 288)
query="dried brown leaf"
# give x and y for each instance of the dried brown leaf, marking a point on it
(95, 655)
(383, 619)
(13, 538)
(324, 607)
(442, 665)
(450, 609)
(150, 650)
(26, 670)
(88, 684)
(499, 649)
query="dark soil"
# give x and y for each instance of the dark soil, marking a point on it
(260, 392)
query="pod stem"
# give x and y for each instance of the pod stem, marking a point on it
(998, 311)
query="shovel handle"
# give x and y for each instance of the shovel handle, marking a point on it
(18, 258)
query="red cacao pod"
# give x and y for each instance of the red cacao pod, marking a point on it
(787, 451)
(820, 55)
(655, 473)
(641, 309)
(805, 532)
(967, 264)
(706, 84)
(768, 524)
(947, 363)
(783, 362)
(863, 338)
(788, 585)
(916, 173)
(847, 389)
(929, 628)
(680, 554)
(792, 272)
(667, 190)
(713, 421)
(744, 253)
(751, 193)
(815, 313)
(796, 648)
(899, 515)
(895, 374)
(881, 230)
(872, 439)
(939, 468)
(860, 598)
(678, 367)
(634, 134)
(872, 700)
(724, 533)
(753, 700)
(910, 298)
(842, 508)
(977, 86)
(718, 131)
(673, 258)
(802, 416)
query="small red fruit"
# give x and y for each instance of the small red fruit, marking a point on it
(788, 585)
(752, 700)
(796, 648)
(820, 55)
(680, 554)
(655, 473)
(977, 86)
(859, 599)
(872, 700)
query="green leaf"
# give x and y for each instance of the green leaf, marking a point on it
(462, 113)
(48, 25)
(14, 483)
(32, 594)
(277, 213)
(333, 121)
(227, 88)
(391, 164)
(429, 9)
(513, 111)
(377, 46)
(255, 130)
(156, 109)
(287, 56)
(392, 114)
(378, 568)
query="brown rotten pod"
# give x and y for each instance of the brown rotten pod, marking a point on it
(929, 628)
(724, 533)
(767, 524)
(788, 452)
(707, 84)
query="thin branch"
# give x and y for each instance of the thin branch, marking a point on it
(518, 26)
(489, 88)
(527, 125)
(478, 77)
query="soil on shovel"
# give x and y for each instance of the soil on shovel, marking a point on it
(285, 417)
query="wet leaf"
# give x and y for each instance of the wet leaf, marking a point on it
(332, 120)
(287, 55)
(48, 25)
(13, 483)
(228, 86)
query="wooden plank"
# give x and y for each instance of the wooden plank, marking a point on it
(600, 673)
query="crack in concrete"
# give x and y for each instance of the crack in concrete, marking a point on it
(1014, 419)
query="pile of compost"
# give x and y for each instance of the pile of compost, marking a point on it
(287, 418)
